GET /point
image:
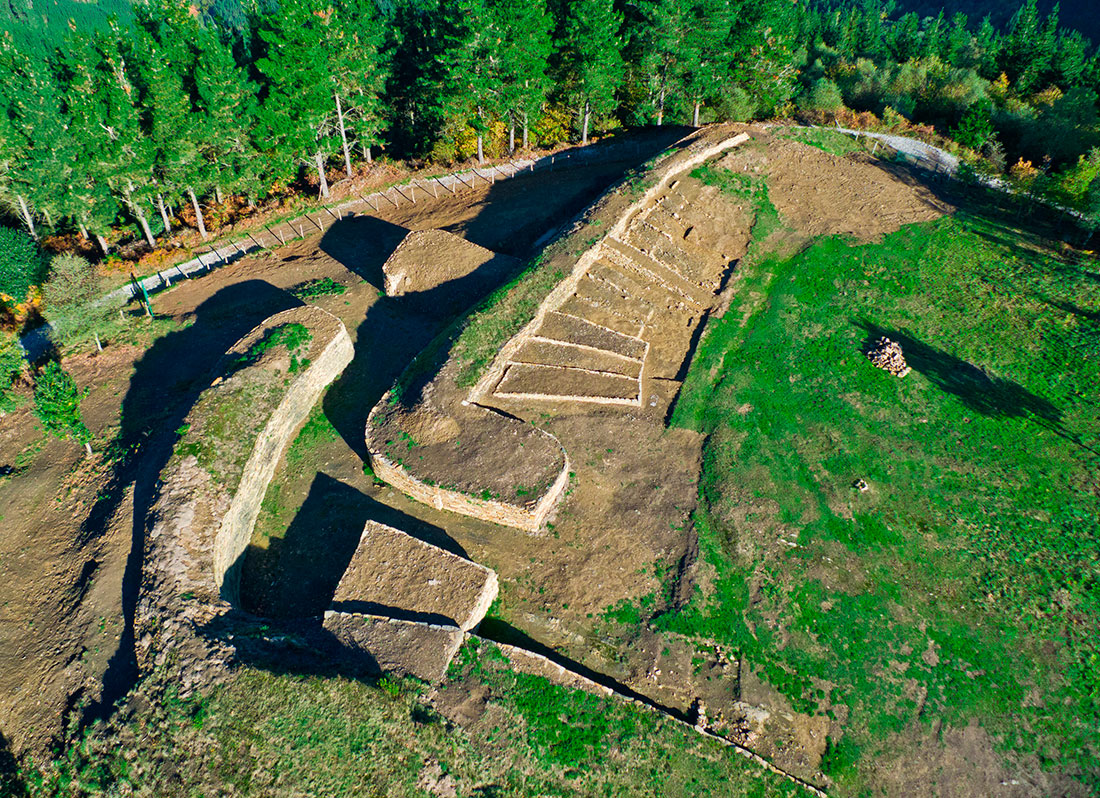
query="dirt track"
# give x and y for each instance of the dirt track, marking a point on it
(63, 617)
(56, 585)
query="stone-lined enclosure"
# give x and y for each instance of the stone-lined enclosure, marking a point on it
(211, 488)
(614, 333)
(406, 604)
(626, 315)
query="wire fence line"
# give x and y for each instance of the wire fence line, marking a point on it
(38, 342)
(394, 196)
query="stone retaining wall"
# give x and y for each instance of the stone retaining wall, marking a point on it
(330, 352)
(682, 161)
(529, 662)
(200, 524)
(528, 518)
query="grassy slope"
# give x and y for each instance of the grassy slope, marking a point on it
(965, 578)
(270, 734)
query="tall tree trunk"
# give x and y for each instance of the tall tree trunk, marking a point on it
(525, 130)
(140, 214)
(28, 220)
(480, 141)
(321, 173)
(512, 137)
(218, 194)
(46, 213)
(695, 116)
(198, 213)
(584, 129)
(661, 108)
(103, 244)
(163, 213)
(366, 154)
(343, 135)
(83, 230)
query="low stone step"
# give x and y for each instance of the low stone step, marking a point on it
(656, 296)
(668, 258)
(586, 308)
(555, 383)
(544, 352)
(633, 257)
(563, 327)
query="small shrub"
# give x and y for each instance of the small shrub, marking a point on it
(57, 404)
(11, 366)
(21, 264)
(71, 292)
(323, 286)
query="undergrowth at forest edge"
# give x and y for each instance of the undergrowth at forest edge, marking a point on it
(963, 584)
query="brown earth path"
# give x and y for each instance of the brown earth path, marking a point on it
(66, 574)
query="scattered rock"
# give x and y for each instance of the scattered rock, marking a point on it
(887, 355)
(860, 485)
(435, 782)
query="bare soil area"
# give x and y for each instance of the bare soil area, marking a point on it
(68, 573)
(820, 194)
(622, 532)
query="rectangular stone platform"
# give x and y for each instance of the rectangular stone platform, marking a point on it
(389, 645)
(395, 575)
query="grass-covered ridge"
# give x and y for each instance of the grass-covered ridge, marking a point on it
(267, 734)
(965, 582)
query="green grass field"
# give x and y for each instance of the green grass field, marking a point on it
(276, 734)
(963, 583)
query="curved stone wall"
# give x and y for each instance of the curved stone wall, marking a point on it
(209, 492)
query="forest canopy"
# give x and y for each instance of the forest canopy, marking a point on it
(114, 116)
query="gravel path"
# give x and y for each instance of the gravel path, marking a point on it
(927, 155)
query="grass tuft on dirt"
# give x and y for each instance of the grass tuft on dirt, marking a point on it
(962, 583)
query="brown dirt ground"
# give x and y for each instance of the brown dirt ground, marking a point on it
(61, 608)
(627, 510)
(820, 194)
(427, 259)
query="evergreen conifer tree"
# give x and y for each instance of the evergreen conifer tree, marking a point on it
(590, 65)
(296, 116)
(524, 28)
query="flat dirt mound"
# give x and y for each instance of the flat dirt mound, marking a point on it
(822, 194)
(427, 259)
(392, 573)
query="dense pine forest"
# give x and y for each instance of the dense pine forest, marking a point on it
(115, 119)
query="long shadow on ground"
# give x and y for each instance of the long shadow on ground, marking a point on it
(169, 375)
(995, 397)
(165, 385)
(11, 784)
(296, 576)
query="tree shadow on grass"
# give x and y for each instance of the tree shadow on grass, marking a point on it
(994, 397)
(295, 576)
(11, 783)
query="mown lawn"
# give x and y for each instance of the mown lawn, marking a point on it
(964, 582)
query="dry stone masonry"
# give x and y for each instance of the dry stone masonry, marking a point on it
(626, 315)
(405, 605)
(210, 491)
(887, 355)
